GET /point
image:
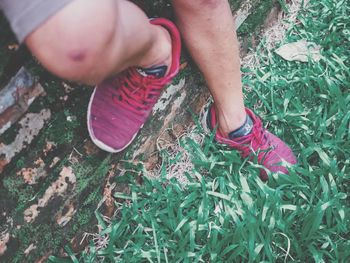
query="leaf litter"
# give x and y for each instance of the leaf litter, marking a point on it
(301, 50)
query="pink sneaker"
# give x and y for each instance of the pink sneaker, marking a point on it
(119, 107)
(271, 151)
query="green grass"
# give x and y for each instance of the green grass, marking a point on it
(226, 213)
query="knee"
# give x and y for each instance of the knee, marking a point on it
(80, 58)
(71, 46)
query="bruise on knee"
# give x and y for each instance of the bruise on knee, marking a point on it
(77, 55)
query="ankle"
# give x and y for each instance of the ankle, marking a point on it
(230, 122)
(160, 50)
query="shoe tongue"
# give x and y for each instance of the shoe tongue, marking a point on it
(157, 71)
(245, 129)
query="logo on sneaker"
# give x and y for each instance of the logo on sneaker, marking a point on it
(156, 71)
(141, 72)
(247, 128)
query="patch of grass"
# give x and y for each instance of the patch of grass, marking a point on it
(227, 216)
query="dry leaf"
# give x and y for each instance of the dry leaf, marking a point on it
(54, 162)
(3, 243)
(3, 163)
(13, 46)
(183, 65)
(63, 219)
(67, 88)
(300, 51)
(29, 249)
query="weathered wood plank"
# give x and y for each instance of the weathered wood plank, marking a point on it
(16, 98)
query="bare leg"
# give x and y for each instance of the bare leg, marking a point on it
(90, 40)
(208, 30)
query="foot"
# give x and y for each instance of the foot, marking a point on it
(270, 151)
(119, 107)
